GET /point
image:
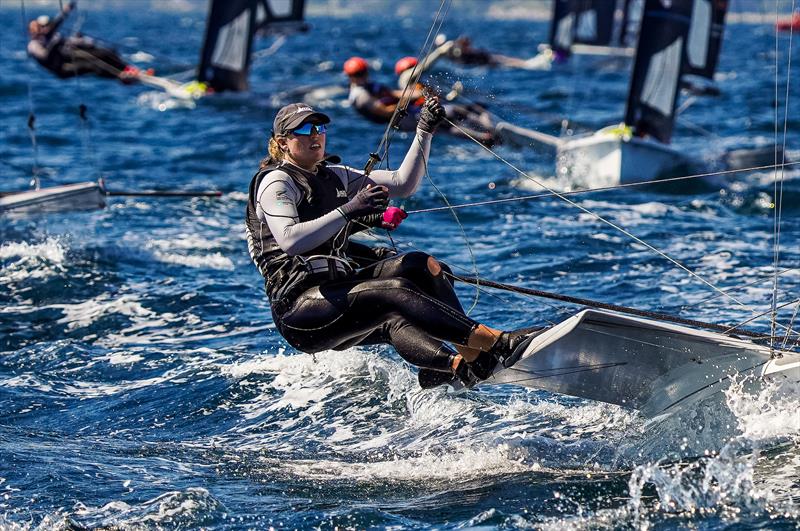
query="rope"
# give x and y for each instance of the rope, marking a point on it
(613, 307)
(86, 132)
(463, 235)
(401, 106)
(778, 190)
(603, 189)
(762, 314)
(31, 111)
(600, 218)
(789, 327)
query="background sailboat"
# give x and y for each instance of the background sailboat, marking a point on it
(675, 40)
(227, 50)
(590, 27)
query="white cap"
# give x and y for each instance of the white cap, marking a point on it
(43, 20)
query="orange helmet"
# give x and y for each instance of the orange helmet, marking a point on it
(404, 64)
(355, 65)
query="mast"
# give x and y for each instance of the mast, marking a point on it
(657, 69)
(705, 37)
(225, 56)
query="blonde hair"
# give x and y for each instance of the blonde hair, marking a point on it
(275, 153)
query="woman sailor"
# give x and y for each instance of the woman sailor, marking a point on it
(327, 292)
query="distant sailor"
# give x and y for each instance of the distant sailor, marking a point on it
(373, 100)
(462, 51)
(473, 120)
(76, 55)
(327, 292)
(378, 102)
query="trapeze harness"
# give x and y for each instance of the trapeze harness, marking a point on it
(343, 293)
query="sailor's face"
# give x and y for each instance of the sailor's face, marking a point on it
(307, 150)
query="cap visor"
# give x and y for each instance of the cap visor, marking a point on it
(308, 117)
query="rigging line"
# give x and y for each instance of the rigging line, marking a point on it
(605, 188)
(401, 106)
(789, 327)
(600, 218)
(762, 314)
(775, 161)
(86, 132)
(477, 286)
(779, 197)
(31, 111)
(461, 228)
(615, 307)
(742, 286)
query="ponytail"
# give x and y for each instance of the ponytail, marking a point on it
(275, 154)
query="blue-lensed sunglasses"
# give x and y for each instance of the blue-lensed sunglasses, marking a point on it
(310, 129)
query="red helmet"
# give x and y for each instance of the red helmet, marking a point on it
(355, 65)
(404, 64)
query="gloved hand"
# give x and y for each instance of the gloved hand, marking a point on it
(366, 201)
(393, 217)
(70, 7)
(432, 115)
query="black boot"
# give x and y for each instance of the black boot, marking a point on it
(430, 378)
(506, 350)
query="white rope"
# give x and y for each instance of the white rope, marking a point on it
(604, 188)
(601, 219)
(778, 190)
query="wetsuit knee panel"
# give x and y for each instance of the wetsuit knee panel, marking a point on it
(434, 266)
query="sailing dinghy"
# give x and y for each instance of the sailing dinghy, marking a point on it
(588, 27)
(677, 39)
(69, 197)
(650, 366)
(226, 52)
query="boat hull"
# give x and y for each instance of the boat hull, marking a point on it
(650, 366)
(610, 159)
(69, 197)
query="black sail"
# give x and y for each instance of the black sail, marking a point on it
(594, 21)
(280, 15)
(562, 25)
(705, 37)
(225, 58)
(660, 55)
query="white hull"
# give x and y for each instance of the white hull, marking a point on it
(609, 158)
(651, 366)
(79, 196)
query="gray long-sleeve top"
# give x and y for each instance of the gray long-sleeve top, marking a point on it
(277, 198)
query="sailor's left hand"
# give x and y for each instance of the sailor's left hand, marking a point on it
(393, 217)
(70, 7)
(432, 115)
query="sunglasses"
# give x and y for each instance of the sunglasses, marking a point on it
(310, 129)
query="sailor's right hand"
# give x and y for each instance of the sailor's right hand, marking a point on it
(367, 201)
(432, 115)
(70, 7)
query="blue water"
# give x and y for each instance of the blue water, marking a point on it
(143, 384)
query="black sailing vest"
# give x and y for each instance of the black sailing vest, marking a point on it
(322, 193)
